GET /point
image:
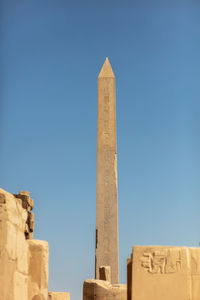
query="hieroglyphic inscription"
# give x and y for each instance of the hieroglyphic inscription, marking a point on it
(108, 158)
(162, 261)
(106, 176)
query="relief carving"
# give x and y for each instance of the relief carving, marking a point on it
(195, 264)
(162, 261)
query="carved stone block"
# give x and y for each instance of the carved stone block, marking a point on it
(165, 273)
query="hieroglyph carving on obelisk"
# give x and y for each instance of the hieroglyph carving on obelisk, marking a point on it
(106, 253)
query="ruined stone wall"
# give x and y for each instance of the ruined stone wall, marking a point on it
(23, 261)
(13, 248)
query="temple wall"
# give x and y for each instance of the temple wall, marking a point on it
(23, 261)
(161, 272)
(13, 248)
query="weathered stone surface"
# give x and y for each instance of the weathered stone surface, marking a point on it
(22, 253)
(23, 263)
(38, 270)
(13, 249)
(27, 202)
(165, 273)
(20, 286)
(31, 221)
(59, 296)
(2, 198)
(106, 194)
(104, 273)
(94, 289)
(194, 260)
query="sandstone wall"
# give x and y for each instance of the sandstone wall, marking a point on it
(38, 260)
(23, 261)
(159, 272)
(13, 248)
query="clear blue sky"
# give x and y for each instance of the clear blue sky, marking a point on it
(51, 54)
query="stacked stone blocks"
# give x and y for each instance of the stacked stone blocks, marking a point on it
(23, 260)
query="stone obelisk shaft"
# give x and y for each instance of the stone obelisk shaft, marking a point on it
(106, 193)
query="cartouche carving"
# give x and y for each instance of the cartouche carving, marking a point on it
(161, 261)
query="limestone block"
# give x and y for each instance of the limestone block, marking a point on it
(104, 273)
(59, 296)
(165, 273)
(94, 289)
(38, 270)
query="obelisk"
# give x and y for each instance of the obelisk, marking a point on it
(106, 253)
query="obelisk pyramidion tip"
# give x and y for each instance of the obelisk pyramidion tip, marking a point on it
(106, 70)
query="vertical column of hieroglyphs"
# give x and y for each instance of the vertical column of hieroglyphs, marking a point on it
(106, 194)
